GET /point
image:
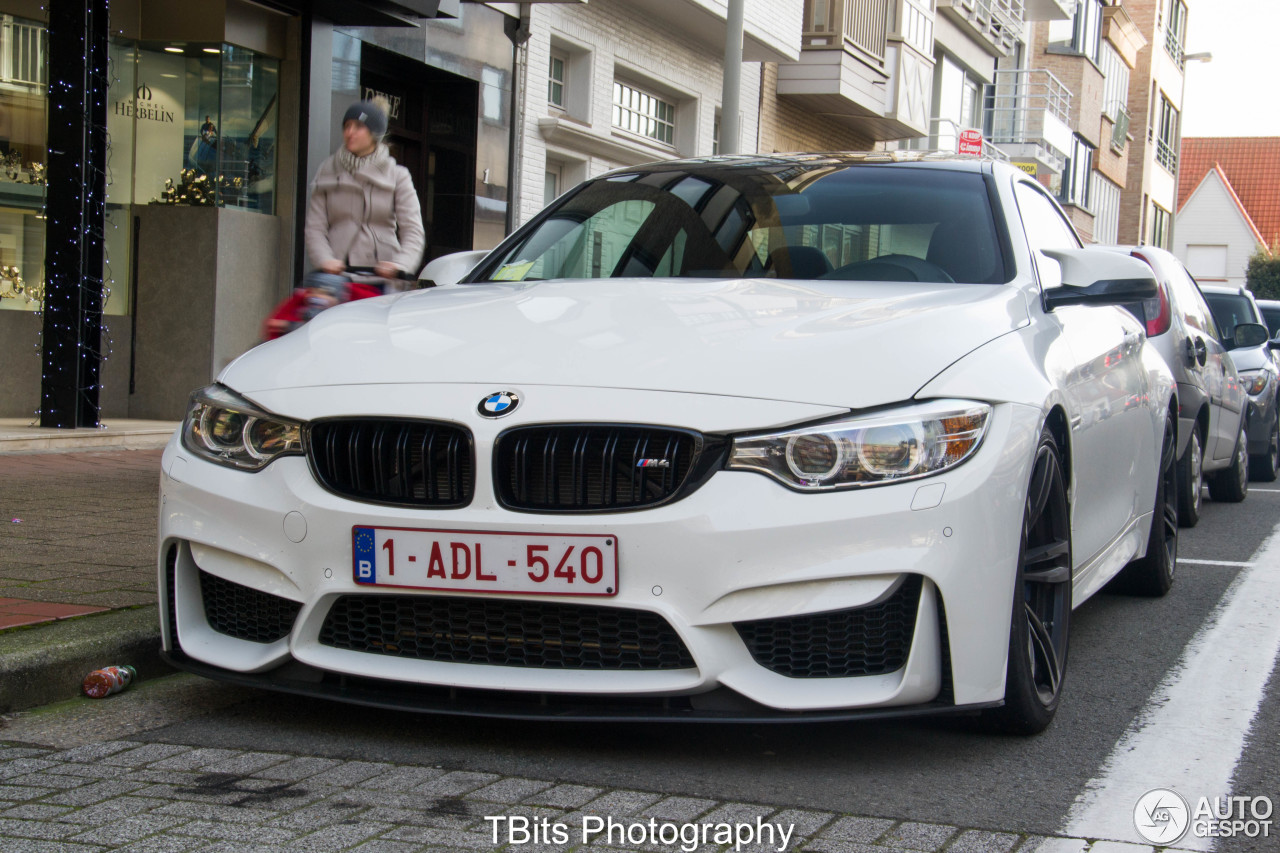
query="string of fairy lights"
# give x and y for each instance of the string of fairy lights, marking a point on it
(70, 342)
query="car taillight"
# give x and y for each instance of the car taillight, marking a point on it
(1156, 309)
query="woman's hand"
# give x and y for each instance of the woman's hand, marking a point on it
(333, 266)
(388, 270)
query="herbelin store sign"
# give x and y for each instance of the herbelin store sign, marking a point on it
(143, 107)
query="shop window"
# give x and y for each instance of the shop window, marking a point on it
(643, 113)
(23, 155)
(202, 122)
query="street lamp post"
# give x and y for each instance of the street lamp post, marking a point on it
(1203, 56)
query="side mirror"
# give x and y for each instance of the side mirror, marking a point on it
(1099, 277)
(1249, 335)
(450, 269)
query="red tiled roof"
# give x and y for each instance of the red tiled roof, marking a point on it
(1251, 165)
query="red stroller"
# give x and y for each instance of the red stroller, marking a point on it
(317, 292)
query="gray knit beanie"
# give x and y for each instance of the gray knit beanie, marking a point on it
(370, 115)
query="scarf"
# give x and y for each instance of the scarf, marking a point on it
(353, 164)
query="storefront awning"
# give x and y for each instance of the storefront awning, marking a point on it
(369, 13)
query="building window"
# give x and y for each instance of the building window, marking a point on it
(1115, 94)
(957, 104)
(556, 80)
(1077, 175)
(23, 155)
(1207, 262)
(551, 182)
(1159, 226)
(642, 113)
(1083, 33)
(1175, 34)
(1106, 210)
(1167, 135)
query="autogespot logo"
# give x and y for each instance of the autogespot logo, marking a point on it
(1161, 816)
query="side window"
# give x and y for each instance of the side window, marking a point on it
(1199, 307)
(1046, 229)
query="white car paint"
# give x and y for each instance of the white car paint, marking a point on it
(721, 356)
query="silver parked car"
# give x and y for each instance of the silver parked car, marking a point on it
(1240, 320)
(1271, 316)
(1211, 398)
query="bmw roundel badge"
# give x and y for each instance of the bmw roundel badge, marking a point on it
(498, 404)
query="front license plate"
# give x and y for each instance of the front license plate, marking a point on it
(463, 560)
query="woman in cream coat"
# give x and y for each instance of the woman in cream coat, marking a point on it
(364, 210)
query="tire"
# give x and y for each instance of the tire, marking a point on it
(1266, 467)
(1231, 485)
(1190, 479)
(1040, 623)
(1152, 575)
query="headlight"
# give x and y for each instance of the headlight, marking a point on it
(225, 428)
(904, 444)
(1254, 381)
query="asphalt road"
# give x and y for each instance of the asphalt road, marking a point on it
(945, 772)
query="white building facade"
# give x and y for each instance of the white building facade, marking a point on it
(1215, 236)
(615, 83)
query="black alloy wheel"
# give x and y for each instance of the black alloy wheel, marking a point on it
(1190, 480)
(1266, 467)
(1041, 617)
(1152, 575)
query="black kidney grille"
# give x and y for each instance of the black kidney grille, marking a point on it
(870, 640)
(585, 468)
(410, 463)
(499, 632)
(245, 613)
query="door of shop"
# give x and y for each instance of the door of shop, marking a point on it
(432, 133)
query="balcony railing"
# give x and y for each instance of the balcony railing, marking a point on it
(1119, 116)
(22, 53)
(944, 135)
(912, 22)
(1000, 21)
(864, 24)
(1019, 102)
(1173, 46)
(1167, 155)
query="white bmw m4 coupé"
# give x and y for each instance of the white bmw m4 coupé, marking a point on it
(800, 437)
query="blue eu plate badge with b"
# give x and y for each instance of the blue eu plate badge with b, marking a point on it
(365, 555)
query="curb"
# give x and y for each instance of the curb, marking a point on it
(47, 663)
(85, 440)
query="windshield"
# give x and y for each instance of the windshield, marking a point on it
(1272, 317)
(767, 219)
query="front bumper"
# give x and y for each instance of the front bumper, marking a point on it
(1260, 422)
(739, 549)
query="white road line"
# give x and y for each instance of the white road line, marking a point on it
(1194, 728)
(1182, 560)
(1272, 491)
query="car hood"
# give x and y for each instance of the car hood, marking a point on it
(1251, 358)
(854, 344)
